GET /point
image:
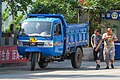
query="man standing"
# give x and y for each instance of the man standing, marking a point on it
(95, 40)
(109, 37)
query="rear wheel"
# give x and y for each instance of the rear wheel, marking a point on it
(42, 63)
(33, 61)
(76, 58)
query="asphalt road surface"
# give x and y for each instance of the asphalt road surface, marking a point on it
(60, 71)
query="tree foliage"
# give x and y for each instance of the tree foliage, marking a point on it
(98, 7)
(16, 9)
(17, 5)
(64, 7)
(13, 7)
(95, 9)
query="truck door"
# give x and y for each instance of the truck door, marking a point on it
(58, 39)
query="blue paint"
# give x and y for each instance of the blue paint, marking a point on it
(113, 14)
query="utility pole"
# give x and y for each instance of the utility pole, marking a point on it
(0, 20)
(0, 15)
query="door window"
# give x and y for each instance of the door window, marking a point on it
(57, 30)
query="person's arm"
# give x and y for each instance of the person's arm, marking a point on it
(114, 38)
(104, 37)
(92, 41)
(100, 43)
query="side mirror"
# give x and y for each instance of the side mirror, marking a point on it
(51, 37)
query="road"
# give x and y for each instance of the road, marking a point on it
(60, 71)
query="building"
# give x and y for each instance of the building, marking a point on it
(112, 19)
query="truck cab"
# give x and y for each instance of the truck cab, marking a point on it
(45, 32)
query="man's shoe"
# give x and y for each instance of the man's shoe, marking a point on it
(107, 67)
(112, 66)
(97, 67)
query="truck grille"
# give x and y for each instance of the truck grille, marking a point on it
(37, 44)
(26, 43)
(40, 44)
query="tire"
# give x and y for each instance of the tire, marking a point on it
(76, 58)
(42, 63)
(33, 61)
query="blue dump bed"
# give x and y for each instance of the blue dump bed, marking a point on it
(77, 34)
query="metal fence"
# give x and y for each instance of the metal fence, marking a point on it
(8, 40)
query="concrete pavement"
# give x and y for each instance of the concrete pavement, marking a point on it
(61, 71)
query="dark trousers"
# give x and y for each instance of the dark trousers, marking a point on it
(97, 54)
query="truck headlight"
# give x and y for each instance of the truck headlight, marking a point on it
(48, 44)
(19, 43)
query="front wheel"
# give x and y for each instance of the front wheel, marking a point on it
(42, 63)
(76, 58)
(33, 61)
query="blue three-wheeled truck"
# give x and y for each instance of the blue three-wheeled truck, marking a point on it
(45, 38)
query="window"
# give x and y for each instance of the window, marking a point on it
(57, 30)
(40, 28)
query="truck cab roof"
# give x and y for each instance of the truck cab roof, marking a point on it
(43, 19)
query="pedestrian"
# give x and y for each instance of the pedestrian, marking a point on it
(95, 40)
(109, 37)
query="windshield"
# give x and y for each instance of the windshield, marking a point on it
(36, 28)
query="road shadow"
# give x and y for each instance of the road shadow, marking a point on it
(23, 72)
(56, 66)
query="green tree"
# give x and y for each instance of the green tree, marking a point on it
(98, 7)
(16, 9)
(16, 23)
(64, 7)
(14, 6)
